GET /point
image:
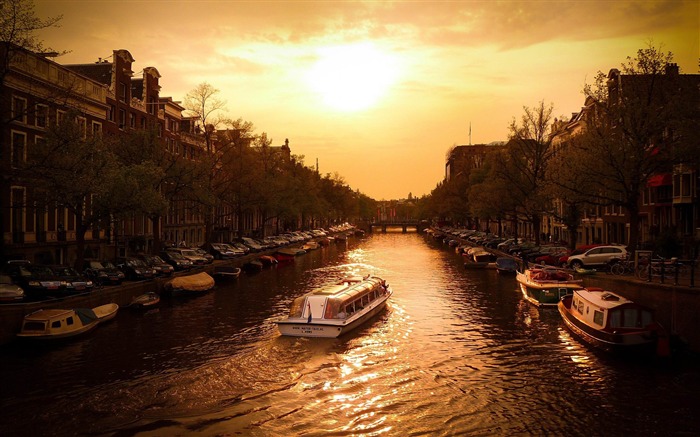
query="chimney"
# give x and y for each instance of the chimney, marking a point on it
(672, 68)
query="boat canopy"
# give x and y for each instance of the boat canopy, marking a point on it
(342, 299)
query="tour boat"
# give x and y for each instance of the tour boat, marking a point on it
(335, 309)
(612, 322)
(545, 286)
(56, 324)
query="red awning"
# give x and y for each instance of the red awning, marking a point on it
(660, 180)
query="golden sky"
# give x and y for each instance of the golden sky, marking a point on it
(378, 91)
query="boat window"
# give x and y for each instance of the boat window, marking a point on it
(598, 317)
(34, 326)
(580, 307)
(69, 321)
(56, 324)
(630, 318)
(615, 318)
(297, 307)
(333, 310)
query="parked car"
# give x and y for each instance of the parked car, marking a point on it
(102, 274)
(598, 256)
(71, 280)
(204, 254)
(189, 254)
(251, 244)
(225, 251)
(38, 282)
(176, 260)
(564, 259)
(551, 259)
(157, 263)
(9, 291)
(135, 269)
(240, 246)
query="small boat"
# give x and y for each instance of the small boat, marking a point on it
(335, 309)
(56, 324)
(252, 266)
(291, 251)
(106, 312)
(283, 257)
(145, 301)
(506, 266)
(191, 284)
(483, 256)
(612, 322)
(224, 273)
(545, 286)
(310, 245)
(268, 260)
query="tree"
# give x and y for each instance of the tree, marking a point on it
(522, 165)
(75, 171)
(637, 126)
(18, 28)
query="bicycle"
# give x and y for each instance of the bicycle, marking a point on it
(622, 267)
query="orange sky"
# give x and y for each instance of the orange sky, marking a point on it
(377, 91)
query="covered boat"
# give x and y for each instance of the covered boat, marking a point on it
(56, 324)
(545, 286)
(335, 309)
(197, 283)
(612, 322)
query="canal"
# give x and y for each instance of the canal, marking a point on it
(457, 352)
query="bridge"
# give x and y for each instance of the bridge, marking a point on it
(405, 225)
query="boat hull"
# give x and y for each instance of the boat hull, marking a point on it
(330, 328)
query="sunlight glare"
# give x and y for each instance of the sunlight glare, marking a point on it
(351, 77)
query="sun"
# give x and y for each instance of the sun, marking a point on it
(351, 77)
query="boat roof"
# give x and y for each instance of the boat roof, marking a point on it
(602, 298)
(347, 286)
(46, 314)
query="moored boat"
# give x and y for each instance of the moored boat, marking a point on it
(106, 312)
(145, 301)
(289, 251)
(506, 266)
(545, 286)
(335, 309)
(54, 324)
(268, 260)
(191, 284)
(612, 322)
(222, 273)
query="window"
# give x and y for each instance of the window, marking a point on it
(41, 116)
(122, 119)
(122, 92)
(96, 129)
(60, 115)
(19, 109)
(69, 321)
(132, 120)
(110, 113)
(19, 148)
(56, 324)
(82, 125)
(598, 317)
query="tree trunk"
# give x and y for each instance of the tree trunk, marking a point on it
(155, 223)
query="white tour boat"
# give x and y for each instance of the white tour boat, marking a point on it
(335, 309)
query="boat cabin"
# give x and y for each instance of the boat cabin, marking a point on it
(340, 300)
(608, 311)
(57, 321)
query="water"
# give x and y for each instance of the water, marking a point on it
(457, 352)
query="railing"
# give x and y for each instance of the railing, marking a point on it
(664, 271)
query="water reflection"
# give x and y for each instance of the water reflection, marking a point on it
(456, 352)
